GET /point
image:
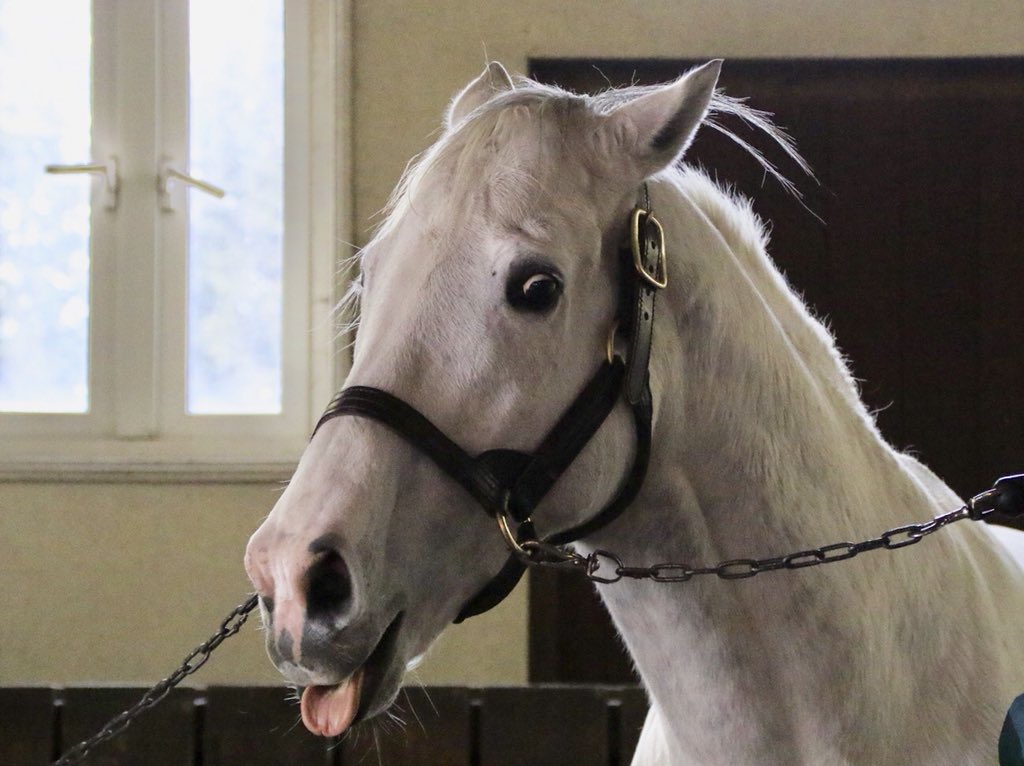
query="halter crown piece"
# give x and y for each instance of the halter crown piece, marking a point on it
(509, 484)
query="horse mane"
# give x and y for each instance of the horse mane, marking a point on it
(745, 233)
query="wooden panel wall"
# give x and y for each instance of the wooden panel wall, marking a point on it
(260, 726)
(917, 263)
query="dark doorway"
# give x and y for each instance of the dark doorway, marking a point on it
(917, 264)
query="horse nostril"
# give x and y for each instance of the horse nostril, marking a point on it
(329, 590)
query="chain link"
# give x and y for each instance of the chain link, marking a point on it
(604, 567)
(195, 660)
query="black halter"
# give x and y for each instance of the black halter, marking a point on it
(509, 483)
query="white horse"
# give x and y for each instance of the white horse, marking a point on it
(487, 298)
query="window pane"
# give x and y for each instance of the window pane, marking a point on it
(45, 118)
(236, 132)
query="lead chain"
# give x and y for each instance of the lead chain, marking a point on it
(605, 567)
(602, 566)
(195, 660)
(741, 569)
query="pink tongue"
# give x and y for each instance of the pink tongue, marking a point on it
(329, 710)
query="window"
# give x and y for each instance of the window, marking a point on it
(167, 231)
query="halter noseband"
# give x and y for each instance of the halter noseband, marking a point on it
(509, 484)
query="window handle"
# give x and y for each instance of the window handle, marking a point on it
(106, 170)
(168, 174)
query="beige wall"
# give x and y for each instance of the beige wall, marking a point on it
(115, 582)
(412, 56)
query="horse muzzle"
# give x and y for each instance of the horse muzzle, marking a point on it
(330, 709)
(318, 636)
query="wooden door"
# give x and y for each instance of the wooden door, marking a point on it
(917, 263)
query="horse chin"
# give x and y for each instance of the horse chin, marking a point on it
(329, 710)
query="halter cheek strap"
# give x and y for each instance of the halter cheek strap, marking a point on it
(513, 483)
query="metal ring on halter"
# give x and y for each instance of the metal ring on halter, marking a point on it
(610, 343)
(531, 551)
(506, 531)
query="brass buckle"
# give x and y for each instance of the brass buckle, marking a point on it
(658, 280)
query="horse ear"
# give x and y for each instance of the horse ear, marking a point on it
(657, 128)
(494, 80)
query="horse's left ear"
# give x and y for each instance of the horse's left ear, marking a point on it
(495, 79)
(656, 128)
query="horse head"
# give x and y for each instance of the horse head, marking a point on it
(487, 298)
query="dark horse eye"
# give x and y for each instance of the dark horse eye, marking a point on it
(533, 291)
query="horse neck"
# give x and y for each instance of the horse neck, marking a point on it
(754, 402)
(760, 449)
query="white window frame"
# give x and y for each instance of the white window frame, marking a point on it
(137, 427)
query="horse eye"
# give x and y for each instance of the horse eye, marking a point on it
(538, 292)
